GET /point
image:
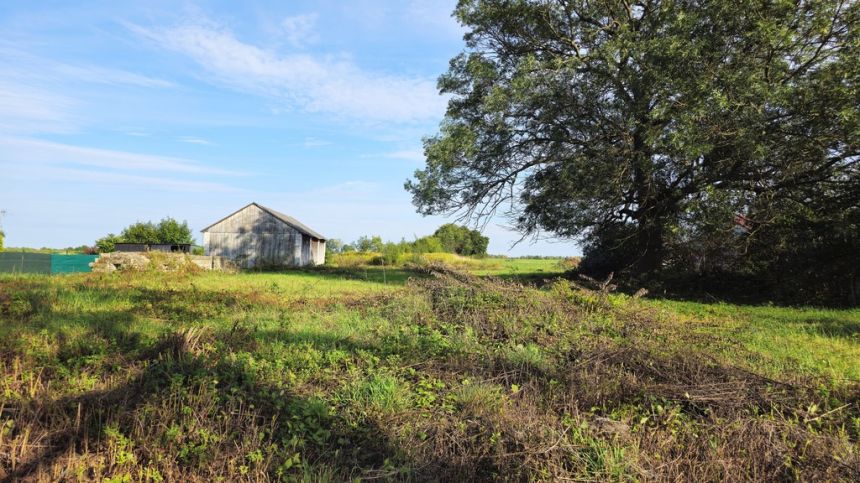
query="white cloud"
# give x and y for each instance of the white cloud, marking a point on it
(18, 151)
(25, 109)
(124, 179)
(27, 67)
(33, 159)
(35, 95)
(299, 29)
(195, 140)
(316, 84)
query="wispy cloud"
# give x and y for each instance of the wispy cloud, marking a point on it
(36, 97)
(101, 75)
(195, 140)
(299, 30)
(326, 84)
(34, 151)
(124, 179)
(25, 109)
(25, 66)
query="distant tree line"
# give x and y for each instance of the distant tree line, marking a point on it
(448, 238)
(166, 231)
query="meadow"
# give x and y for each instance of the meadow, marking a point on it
(500, 370)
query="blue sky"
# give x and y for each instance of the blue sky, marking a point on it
(112, 113)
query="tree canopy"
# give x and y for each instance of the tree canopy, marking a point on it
(166, 231)
(639, 127)
(461, 240)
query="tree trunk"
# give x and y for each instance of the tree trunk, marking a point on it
(651, 240)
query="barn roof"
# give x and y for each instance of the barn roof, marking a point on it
(289, 220)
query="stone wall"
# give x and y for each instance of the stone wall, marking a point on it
(163, 262)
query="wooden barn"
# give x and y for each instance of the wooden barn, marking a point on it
(256, 236)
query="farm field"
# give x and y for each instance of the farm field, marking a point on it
(372, 373)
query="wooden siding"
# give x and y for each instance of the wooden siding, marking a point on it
(253, 237)
(318, 251)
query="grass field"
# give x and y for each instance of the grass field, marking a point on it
(372, 373)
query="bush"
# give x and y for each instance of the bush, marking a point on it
(461, 240)
(428, 244)
(107, 244)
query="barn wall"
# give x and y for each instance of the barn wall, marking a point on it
(317, 252)
(306, 250)
(253, 237)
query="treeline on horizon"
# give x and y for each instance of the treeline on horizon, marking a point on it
(448, 238)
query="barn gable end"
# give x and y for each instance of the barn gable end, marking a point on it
(256, 236)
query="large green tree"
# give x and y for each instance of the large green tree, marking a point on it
(626, 119)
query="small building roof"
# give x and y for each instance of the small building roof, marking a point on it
(289, 220)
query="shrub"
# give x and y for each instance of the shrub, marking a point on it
(461, 240)
(428, 244)
(108, 243)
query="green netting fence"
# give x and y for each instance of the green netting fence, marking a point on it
(45, 263)
(72, 263)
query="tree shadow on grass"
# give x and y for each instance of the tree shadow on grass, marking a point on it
(827, 326)
(171, 369)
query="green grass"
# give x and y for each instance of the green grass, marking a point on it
(519, 267)
(336, 374)
(810, 341)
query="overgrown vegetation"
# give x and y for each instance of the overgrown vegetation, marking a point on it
(342, 374)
